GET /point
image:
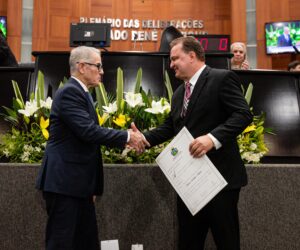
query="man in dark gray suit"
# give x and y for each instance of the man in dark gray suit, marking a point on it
(212, 107)
(72, 172)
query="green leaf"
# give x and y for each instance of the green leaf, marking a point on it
(138, 81)
(31, 96)
(168, 86)
(101, 97)
(40, 88)
(18, 93)
(120, 87)
(248, 94)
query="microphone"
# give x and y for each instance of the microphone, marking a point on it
(295, 48)
(134, 38)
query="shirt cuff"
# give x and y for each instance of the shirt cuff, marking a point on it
(128, 136)
(216, 143)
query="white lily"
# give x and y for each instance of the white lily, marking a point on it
(111, 108)
(46, 104)
(158, 107)
(134, 99)
(30, 108)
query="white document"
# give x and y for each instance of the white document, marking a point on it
(137, 247)
(110, 245)
(196, 180)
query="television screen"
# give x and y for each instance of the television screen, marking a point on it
(90, 34)
(282, 37)
(3, 25)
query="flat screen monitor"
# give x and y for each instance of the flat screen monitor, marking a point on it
(90, 34)
(282, 37)
(214, 43)
(3, 25)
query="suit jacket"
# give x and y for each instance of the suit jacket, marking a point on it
(283, 42)
(216, 106)
(72, 164)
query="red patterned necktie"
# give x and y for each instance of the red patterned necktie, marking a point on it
(187, 95)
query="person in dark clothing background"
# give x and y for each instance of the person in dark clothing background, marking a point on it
(7, 58)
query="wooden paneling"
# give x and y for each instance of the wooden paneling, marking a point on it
(49, 13)
(238, 21)
(14, 28)
(51, 21)
(3, 7)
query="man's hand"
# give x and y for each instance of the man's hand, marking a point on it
(137, 140)
(200, 146)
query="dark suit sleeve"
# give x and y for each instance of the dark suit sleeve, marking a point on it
(74, 112)
(160, 134)
(237, 110)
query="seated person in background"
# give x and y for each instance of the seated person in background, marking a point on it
(7, 58)
(285, 38)
(239, 59)
(294, 66)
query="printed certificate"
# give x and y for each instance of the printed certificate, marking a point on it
(196, 180)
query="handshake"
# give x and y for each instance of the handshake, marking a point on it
(137, 140)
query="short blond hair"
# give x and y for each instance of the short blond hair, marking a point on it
(239, 44)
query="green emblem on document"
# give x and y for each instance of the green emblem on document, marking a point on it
(174, 151)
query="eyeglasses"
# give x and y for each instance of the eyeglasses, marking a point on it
(98, 65)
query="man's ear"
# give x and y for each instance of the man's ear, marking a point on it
(81, 68)
(192, 55)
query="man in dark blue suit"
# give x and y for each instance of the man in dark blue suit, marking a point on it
(212, 107)
(285, 38)
(71, 174)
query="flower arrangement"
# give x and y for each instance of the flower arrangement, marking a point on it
(144, 109)
(27, 139)
(28, 136)
(251, 141)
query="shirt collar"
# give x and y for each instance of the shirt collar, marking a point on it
(81, 84)
(195, 77)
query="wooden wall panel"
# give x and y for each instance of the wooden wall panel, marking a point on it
(51, 21)
(14, 26)
(80, 8)
(40, 26)
(294, 7)
(238, 21)
(3, 7)
(103, 7)
(47, 13)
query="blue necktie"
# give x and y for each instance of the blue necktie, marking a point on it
(90, 98)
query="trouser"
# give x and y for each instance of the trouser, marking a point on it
(220, 215)
(71, 224)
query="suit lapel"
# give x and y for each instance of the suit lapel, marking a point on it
(202, 80)
(178, 101)
(91, 108)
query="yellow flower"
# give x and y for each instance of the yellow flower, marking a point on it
(121, 120)
(250, 128)
(102, 119)
(44, 124)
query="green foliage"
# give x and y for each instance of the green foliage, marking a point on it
(251, 141)
(27, 138)
(145, 110)
(22, 146)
